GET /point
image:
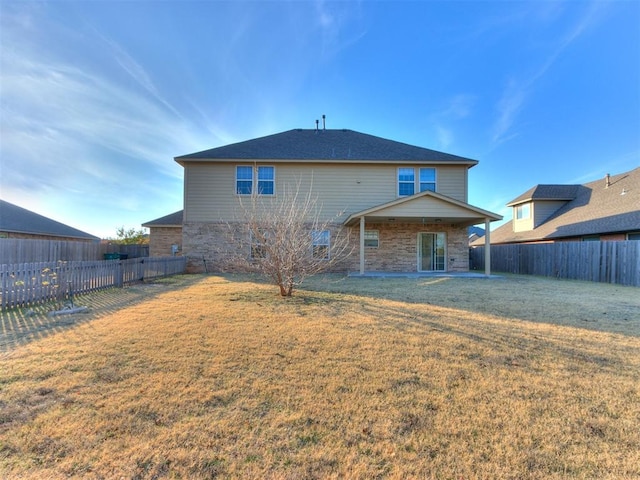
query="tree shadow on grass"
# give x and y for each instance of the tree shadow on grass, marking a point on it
(20, 326)
(592, 306)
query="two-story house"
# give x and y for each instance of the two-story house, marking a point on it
(607, 210)
(405, 206)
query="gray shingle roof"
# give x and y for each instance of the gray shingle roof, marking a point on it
(15, 219)
(595, 210)
(171, 220)
(547, 192)
(326, 145)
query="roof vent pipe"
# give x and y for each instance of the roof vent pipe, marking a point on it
(324, 127)
(317, 122)
(607, 180)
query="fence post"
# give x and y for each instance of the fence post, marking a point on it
(4, 273)
(119, 281)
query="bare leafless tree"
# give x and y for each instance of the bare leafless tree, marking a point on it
(285, 237)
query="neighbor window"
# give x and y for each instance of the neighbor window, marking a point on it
(371, 238)
(633, 236)
(406, 181)
(259, 179)
(320, 243)
(428, 179)
(523, 211)
(591, 238)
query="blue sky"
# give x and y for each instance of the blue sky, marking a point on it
(96, 98)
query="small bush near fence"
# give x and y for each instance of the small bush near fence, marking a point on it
(31, 283)
(609, 262)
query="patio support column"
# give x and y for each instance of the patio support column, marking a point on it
(362, 245)
(487, 247)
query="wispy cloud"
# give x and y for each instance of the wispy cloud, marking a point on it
(75, 133)
(519, 87)
(457, 108)
(339, 25)
(135, 70)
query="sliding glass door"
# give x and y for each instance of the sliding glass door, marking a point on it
(431, 252)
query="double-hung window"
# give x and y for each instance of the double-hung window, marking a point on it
(244, 180)
(406, 181)
(371, 238)
(427, 179)
(523, 211)
(321, 243)
(260, 180)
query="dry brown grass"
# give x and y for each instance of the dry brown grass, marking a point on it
(351, 378)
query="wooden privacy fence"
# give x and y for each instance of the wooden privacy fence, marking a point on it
(609, 262)
(21, 250)
(31, 283)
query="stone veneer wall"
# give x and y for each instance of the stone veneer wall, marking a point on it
(206, 242)
(162, 238)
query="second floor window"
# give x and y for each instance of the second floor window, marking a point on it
(408, 183)
(260, 180)
(427, 179)
(523, 211)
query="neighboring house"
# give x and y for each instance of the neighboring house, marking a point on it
(18, 222)
(165, 235)
(607, 210)
(475, 233)
(405, 206)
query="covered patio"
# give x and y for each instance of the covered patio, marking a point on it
(434, 218)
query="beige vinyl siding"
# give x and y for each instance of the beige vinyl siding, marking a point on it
(210, 187)
(451, 180)
(524, 224)
(424, 207)
(544, 209)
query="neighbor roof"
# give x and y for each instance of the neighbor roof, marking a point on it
(546, 192)
(324, 145)
(15, 219)
(171, 220)
(596, 209)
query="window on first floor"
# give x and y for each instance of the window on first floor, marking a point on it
(321, 243)
(591, 238)
(633, 236)
(258, 243)
(251, 179)
(371, 238)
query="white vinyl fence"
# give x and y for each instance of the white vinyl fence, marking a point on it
(25, 284)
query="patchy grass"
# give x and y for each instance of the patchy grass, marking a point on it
(220, 377)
